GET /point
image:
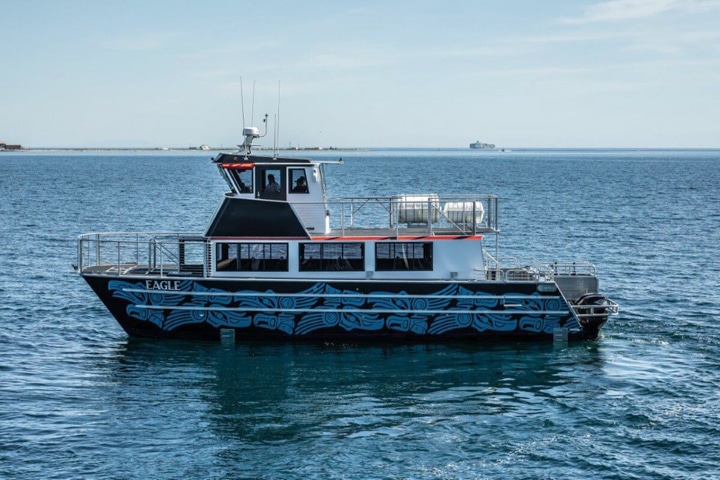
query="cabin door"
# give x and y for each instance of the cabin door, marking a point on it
(271, 183)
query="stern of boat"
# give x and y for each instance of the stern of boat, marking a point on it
(580, 286)
(577, 282)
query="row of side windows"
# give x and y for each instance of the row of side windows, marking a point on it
(325, 257)
(271, 179)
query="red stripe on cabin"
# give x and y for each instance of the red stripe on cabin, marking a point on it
(351, 239)
(400, 238)
(238, 166)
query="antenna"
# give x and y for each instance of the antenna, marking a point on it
(277, 129)
(275, 125)
(252, 111)
(242, 102)
(250, 133)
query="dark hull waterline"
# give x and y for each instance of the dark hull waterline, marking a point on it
(338, 311)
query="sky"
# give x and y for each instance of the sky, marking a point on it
(371, 73)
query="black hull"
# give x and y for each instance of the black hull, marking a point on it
(339, 311)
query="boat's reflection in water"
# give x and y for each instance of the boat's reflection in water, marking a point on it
(259, 392)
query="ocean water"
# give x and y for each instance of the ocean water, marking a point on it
(79, 399)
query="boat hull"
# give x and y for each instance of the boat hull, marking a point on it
(338, 310)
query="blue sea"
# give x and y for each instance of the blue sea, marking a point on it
(79, 399)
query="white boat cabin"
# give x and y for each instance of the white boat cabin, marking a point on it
(276, 222)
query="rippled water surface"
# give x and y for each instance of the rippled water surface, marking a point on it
(79, 399)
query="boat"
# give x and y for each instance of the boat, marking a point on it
(482, 146)
(280, 260)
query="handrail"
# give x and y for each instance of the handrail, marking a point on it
(607, 307)
(515, 268)
(574, 268)
(163, 250)
(121, 252)
(460, 214)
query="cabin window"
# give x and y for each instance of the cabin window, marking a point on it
(298, 181)
(272, 180)
(249, 257)
(390, 256)
(243, 179)
(332, 257)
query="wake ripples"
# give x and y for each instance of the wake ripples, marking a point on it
(80, 399)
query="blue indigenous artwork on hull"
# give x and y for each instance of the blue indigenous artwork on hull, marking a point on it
(180, 303)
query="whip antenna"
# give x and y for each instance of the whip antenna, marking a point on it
(252, 111)
(242, 102)
(277, 125)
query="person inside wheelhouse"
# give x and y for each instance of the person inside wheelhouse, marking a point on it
(300, 186)
(298, 178)
(272, 186)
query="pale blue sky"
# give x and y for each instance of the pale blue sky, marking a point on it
(415, 73)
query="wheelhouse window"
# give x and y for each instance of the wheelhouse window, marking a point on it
(243, 179)
(248, 257)
(392, 256)
(298, 181)
(272, 180)
(332, 257)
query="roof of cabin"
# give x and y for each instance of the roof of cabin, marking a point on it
(239, 157)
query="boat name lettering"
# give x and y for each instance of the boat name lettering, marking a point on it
(162, 284)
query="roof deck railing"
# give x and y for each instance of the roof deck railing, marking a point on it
(431, 213)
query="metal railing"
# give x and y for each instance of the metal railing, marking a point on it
(431, 213)
(574, 268)
(606, 308)
(122, 253)
(515, 269)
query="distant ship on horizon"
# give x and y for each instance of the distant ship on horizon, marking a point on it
(482, 146)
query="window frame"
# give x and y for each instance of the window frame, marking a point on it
(397, 258)
(331, 256)
(238, 174)
(252, 257)
(294, 174)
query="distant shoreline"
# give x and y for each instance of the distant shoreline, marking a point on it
(348, 149)
(166, 149)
